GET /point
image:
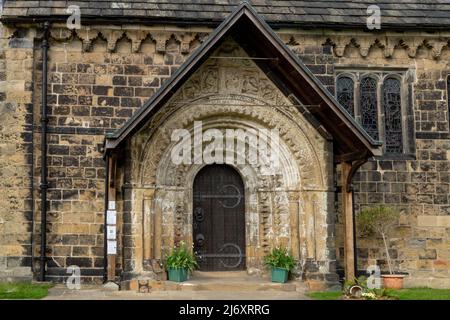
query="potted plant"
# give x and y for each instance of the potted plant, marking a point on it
(280, 262)
(179, 262)
(380, 220)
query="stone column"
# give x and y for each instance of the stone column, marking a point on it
(148, 226)
(347, 213)
(294, 223)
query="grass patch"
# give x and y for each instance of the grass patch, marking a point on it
(23, 290)
(403, 294)
(325, 295)
(420, 294)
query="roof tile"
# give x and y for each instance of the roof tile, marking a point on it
(393, 12)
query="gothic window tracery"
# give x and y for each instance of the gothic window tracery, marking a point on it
(380, 101)
(392, 116)
(345, 94)
(369, 114)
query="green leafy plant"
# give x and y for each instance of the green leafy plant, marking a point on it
(382, 292)
(378, 220)
(367, 293)
(181, 258)
(279, 258)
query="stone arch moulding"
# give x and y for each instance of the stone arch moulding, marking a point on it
(274, 205)
(239, 112)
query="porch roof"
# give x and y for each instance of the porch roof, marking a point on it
(351, 142)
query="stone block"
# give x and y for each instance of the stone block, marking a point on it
(111, 286)
(314, 285)
(433, 221)
(427, 254)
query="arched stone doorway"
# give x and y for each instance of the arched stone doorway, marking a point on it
(218, 226)
(291, 206)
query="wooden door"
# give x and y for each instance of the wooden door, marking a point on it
(219, 219)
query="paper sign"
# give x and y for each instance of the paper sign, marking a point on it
(111, 217)
(112, 247)
(111, 232)
(111, 205)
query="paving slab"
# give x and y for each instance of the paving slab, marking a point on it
(61, 292)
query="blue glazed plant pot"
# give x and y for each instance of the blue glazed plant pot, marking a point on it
(177, 275)
(279, 275)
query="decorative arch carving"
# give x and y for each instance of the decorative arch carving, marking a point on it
(217, 90)
(232, 94)
(295, 141)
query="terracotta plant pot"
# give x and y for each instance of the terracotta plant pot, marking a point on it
(392, 281)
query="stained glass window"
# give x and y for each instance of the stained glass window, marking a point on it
(376, 102)
(392, 115)
(369, 115)
(345, 94)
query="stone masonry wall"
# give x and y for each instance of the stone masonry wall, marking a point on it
(97, 80)
(16, 78)
(417, 185)
(91, 93)
(94, 88)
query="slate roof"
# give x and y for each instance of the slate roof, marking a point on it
(395, 13)
(349, 138)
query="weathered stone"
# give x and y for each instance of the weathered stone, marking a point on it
(97, 91)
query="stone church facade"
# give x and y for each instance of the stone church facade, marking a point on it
(271, 201)
(118, 87)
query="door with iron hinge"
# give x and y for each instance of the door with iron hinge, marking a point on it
(219, 219)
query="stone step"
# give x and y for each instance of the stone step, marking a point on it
(235, 286)
(214, 281)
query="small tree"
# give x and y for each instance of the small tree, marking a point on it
(378, 220)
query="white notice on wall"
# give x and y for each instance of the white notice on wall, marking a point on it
(111, 217)
(111, 232)
(111, 205)
(112, 247)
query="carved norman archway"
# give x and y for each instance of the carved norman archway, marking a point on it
(287, 208)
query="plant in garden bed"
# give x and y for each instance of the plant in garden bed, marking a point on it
(179, 262)
(280, 262)
(391, 294)
(358, 289)
(380, 220)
